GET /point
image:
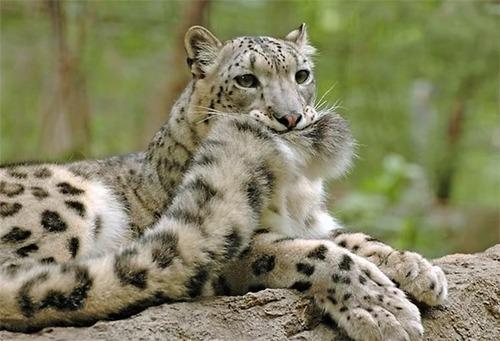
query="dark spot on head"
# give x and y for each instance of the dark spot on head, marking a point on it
(15, 235)
(52, 222)
(342, 243)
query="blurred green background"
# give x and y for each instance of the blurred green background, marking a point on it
(418, 80)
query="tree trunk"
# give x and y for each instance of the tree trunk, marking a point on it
(65, 116)
(448, 166)
(195, 13)
(472, 312)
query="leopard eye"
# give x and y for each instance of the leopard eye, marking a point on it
(247, 81)
(301, 76)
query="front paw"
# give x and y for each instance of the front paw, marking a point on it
(418, 277)
(368, 306)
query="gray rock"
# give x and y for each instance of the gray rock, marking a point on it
(472, 312)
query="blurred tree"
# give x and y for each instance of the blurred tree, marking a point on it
(194, 13)
(417, 80)
(66, 115)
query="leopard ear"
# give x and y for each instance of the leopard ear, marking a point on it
(202, 48)
(299, 38)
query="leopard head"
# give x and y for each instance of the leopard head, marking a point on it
(269, 79)
(272, 81)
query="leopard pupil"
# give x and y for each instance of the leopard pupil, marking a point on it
(301, 76)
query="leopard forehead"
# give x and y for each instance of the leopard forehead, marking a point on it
(263, 54)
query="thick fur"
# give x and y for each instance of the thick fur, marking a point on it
(226, 199)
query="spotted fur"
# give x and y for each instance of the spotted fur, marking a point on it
(228, 198)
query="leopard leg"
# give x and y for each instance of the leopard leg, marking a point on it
(349, 288)
(412, 272)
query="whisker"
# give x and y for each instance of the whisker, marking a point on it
(326, 92)
(205, 119)
(214, 114)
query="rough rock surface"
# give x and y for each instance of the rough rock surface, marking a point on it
(471, 313)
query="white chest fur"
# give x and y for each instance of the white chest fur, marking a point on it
(301, 212)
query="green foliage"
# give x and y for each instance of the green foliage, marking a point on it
(400, 70)
(395, 204)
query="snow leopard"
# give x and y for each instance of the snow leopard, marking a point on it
(228, 198)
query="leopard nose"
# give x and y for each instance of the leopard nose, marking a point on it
(291, 120)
